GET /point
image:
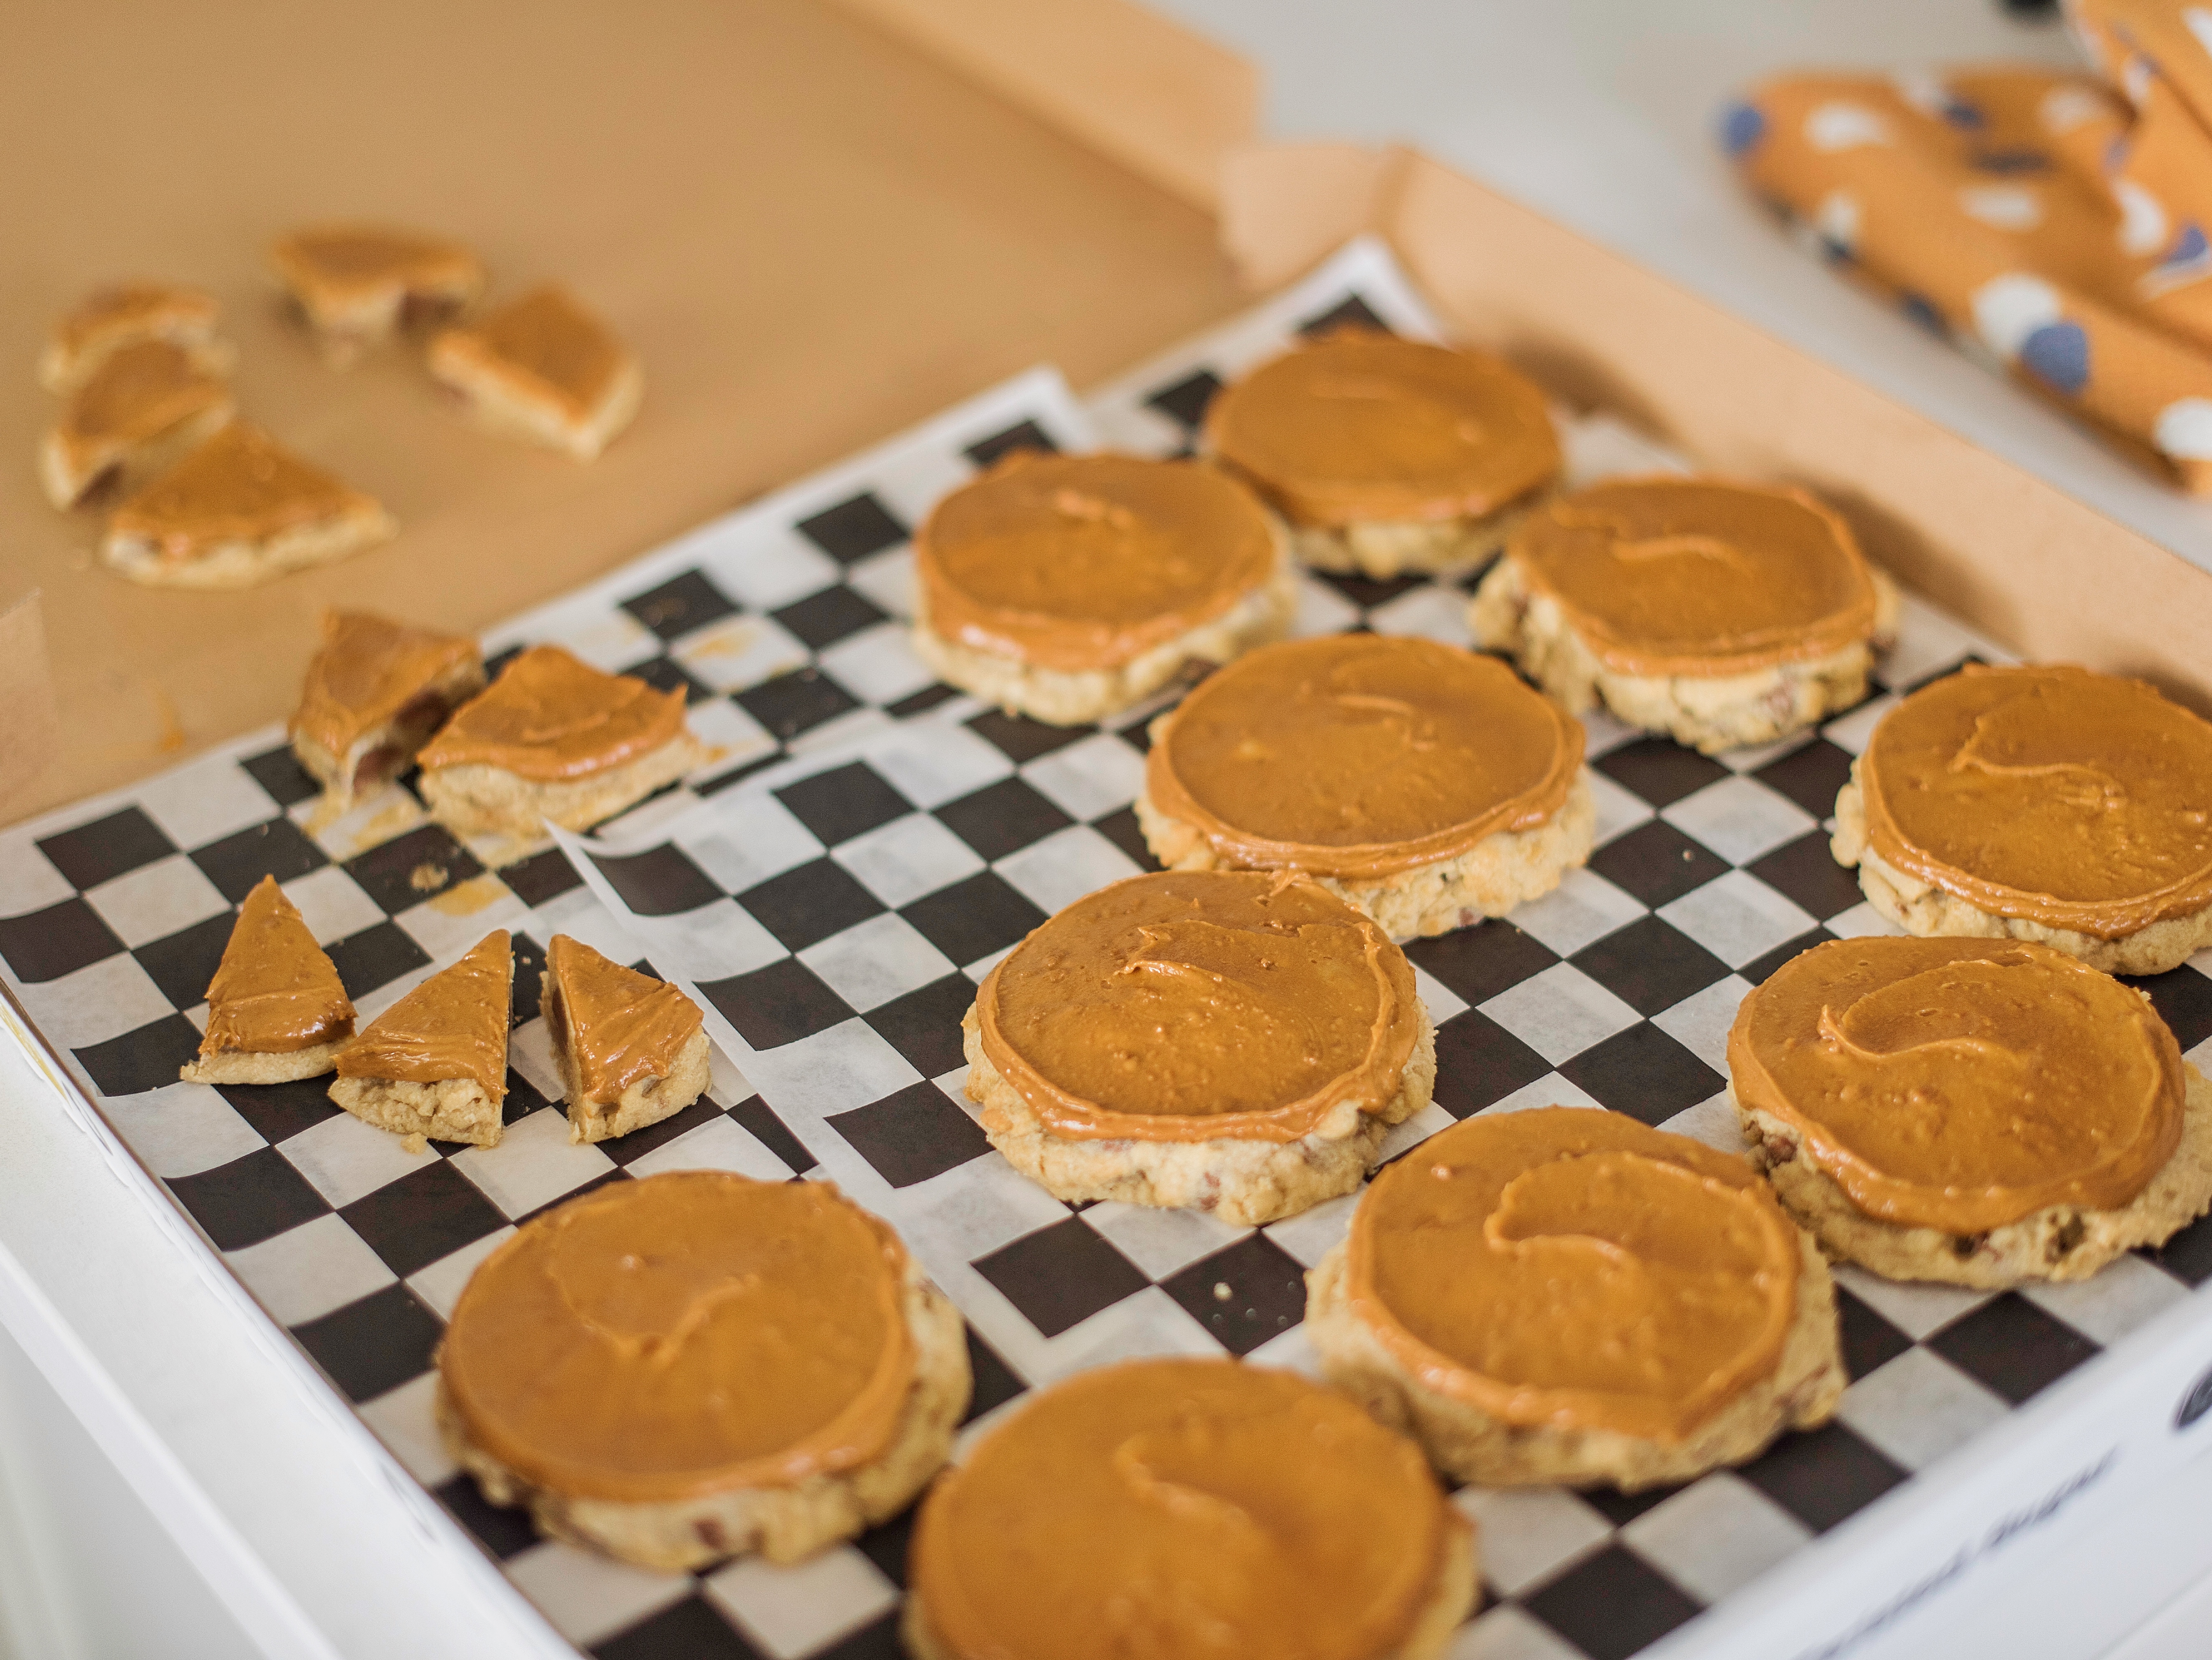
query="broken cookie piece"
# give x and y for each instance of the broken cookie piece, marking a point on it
(109, 318)
(276, 1010)
(240, 510)
(546, 369)
(373, 695)
(434, 1063)
(147, 404)
(632, 1049)
(360, 285)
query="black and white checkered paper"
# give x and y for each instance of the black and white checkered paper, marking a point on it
(830, 890)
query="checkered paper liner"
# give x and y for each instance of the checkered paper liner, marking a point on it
(831, 891)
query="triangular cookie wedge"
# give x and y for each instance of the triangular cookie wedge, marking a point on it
(434, 1063)
(276, 1010)
(360, 285)
(147, 404)
(632, 1049)
(373, 695)
(238, 510)
(109, 318)
(554, 741)
(546, 369)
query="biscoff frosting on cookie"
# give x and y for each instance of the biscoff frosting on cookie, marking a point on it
(1073, 563)
(548, 346)
(139, 391)
(239, 486)
(1698, 576)
(339, 261)
(684, 1335)
(370, 670)
(1360, 426)
(550, 715)
(131, 307)
(2073, 799)
(1573, 1269)
(1181, 1508)
(1361, 755)
(1186, 1006)
(274, 992)
(452, 1026)
(622, 1026)
(1961, 1084)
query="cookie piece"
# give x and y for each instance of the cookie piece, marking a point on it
(372, 696)
(696, 1366)
(109, 318)
(276, 1010)
(1423, 784)
(1387, 456)
(1211, 1507)
(2046, 803)
(239, 510)
(546, 369)
(631, 1049)
(1066, 588)
(434, 1063)
(1975, 1111)
(553, 741)
(359, 286)
(1468, 1302)
(146, 404)
(1233, 1041)
(1719, 614)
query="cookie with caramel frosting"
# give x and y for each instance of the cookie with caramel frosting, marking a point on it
(1184, 1509)
(1468, 1300)
(373, 695)
(543, 368)
(1981, 1112)
(1718, 613)
(554, 740)
(1423, 784)
(2042, 803)
(695, 1365)
(239, 510)
(434, 1065)
(360, 285)
(276, 1010)
(631, 1049)
(1387, 456)
(145, 404)
(1066, 588)
(1234, 1041)
(109, 318)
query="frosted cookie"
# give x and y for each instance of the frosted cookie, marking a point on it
(631, 1049)
(434, 1063)
(146, 404)
(1066, 588)
(553, 741)
(240, 510)
(1978, 1111)
(276, 1010)
(1423, 784)
(1187, 1508)
(2046, 803)
(1234, 1042)
(111, 318)
(544, 369)
(1386, 455)
(373, 695)
(359, 286)
(1565, 1295)
(1716, 614)
(697, 1365)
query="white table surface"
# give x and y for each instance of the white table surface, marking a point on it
(170, 1483)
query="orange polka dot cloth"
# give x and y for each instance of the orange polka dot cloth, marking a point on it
(2054, 223)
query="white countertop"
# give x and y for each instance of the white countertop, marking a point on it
(1600, 114)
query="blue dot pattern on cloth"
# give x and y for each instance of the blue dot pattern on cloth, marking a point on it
(1960, 114)
(1741, 127)
(1922, 310)
(2058, 354)
(2189, 246)
(2011, 161)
